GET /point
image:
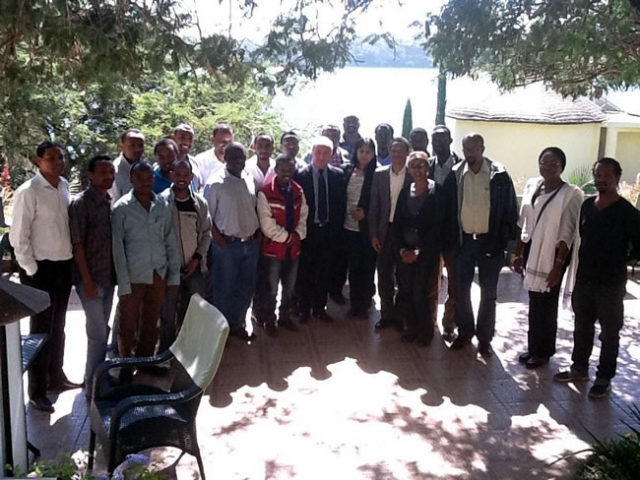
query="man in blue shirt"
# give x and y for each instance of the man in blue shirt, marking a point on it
(146, 259)
(166, 153)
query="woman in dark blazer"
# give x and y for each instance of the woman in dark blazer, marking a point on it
(419, 225)
(361, 256)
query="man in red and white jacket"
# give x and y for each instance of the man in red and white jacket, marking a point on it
(282, 210)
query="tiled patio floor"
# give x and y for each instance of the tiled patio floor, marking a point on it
(342, 401)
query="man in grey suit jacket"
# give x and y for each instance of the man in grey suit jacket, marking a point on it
(387, 183)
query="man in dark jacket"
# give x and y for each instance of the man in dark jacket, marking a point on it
(484, 214)
(324, 190)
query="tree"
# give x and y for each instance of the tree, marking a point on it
(71, 69)
(407, 120)
(577, 47)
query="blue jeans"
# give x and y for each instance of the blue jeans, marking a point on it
(274, 271)
(233, 277)
(174, 307)
(468, 256)
(97, 311)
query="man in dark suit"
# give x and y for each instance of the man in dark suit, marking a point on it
(324, 192)
(388, 181)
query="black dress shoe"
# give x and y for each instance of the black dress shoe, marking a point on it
(385, 324)
(524, 357)
(324, 317)
(242, 334)
(409, 337)
(484, 348)
(535, 362)
(304, 318)
(43, 404)
(460, 342)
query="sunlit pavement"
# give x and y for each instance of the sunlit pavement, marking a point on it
(342, 401)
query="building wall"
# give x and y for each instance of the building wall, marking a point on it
(517, 145)
(628, 154)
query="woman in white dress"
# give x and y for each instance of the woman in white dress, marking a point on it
(548, 222)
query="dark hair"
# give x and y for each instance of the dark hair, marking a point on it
(177, 163)
(96, 160)
(222, 127)
(263, 134)
(419, 130)
(283, 158)
(140, 165)
(617, 169)
(290, 133)
(441, 129)
(384, 125)
(557, 153)
(401, 140)
(371, 167)
(128, 132)
(166, 142)
(46, 145)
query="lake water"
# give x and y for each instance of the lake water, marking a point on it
(375, 95)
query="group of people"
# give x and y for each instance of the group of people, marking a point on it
(238, 230)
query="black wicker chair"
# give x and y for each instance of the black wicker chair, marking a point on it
(130, 418)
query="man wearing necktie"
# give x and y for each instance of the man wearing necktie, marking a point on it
(322, 186)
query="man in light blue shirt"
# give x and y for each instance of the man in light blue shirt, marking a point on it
(147, 261)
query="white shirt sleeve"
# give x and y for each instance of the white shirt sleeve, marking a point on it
(24, 203)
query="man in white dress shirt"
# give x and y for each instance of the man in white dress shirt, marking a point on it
(211, 161)
(42, 242)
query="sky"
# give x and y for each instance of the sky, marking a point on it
(394, 15)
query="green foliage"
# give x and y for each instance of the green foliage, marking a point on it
(617, 459)
(81, 71)
(577, 47)
(583, 178)
(407, 119)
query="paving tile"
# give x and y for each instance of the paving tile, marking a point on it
(343, 400)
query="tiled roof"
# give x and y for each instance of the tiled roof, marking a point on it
(532, 104)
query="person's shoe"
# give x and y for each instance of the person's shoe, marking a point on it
(484, 349)
(324, 317)
(353, 312)
(338, 298)
(535, 362)
(304, 317)
(242, 334)
(270, 329)
(460, 342)
(599, 389)
(288, 324)
(384, 324)
(409, 337)
(64, 385)
(399, 326)
(570, 375)
(449, 335)
(43, 404)
(524, 357)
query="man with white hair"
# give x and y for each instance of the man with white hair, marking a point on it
(324, 191)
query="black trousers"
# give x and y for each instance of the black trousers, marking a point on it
(413, 295)
(314, 270)
(55, 279)
(339, 264)
(601, 303)
(388, 259)
(362, 270)
(543, 322)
